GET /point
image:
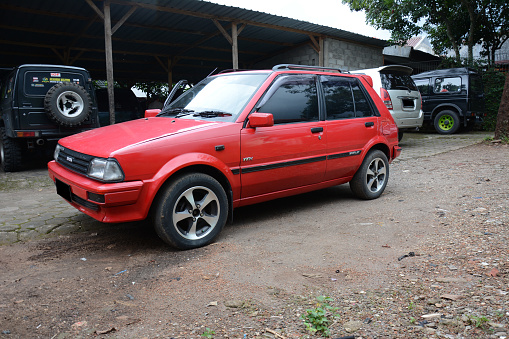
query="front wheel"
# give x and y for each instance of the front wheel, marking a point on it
(447, 122)
(371, 178)
(191, 211)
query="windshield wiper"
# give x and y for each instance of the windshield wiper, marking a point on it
(211, 114)
(179, 111)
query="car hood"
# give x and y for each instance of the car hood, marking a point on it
(102, 142)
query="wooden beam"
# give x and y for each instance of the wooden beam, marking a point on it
(223, 31)
(316, 45)
(124, 18)
(108, 50)
(94, 7)
(321, 60)
(165, 67)
(235, 46)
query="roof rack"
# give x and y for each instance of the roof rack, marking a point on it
(305, 68)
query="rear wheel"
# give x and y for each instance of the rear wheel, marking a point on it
(191, 212)
(447, 122)
(10, 152)
(371, 178)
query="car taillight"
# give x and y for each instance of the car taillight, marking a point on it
(386, 98)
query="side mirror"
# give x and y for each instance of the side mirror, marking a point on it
(149, 113)
(261, 120)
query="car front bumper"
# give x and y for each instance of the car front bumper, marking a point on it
(106, 202)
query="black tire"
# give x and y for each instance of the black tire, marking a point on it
(446, 122)
(184, 224)
(371, 178)
(10, 152)
(68, 104)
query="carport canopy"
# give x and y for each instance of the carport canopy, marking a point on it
(152, 40)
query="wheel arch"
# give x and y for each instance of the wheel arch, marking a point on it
(381, 147)
(445, 107)
(207, 169)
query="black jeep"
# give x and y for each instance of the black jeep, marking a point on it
(451, 98)
(40, 104)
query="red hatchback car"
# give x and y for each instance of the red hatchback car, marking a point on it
(234, 139)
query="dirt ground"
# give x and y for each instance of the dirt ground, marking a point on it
(269, 266)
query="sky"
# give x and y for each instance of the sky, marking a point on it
(331, 13)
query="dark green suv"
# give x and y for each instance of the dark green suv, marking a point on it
(451, 98)
(40, 104)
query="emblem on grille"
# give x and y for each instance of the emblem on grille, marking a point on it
(69, 159)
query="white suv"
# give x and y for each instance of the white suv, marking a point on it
(399, 93)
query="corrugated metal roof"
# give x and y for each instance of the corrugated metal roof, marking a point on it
(159, 32)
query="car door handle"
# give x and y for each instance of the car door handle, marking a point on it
(316, 129)
(369, 124)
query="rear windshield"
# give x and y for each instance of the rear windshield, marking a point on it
(397, 80)
(38, 83)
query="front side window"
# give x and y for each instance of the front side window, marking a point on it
(293, 98)
(447, 85)
(344, 98)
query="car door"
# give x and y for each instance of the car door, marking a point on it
(351, 122)
(292, 152)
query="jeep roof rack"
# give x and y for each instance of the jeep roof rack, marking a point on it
(305, 68)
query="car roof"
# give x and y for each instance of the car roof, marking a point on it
(447, 71)
(398, 68)
(51, 66)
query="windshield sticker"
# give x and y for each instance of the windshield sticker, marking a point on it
(35, 79)
(56, 75)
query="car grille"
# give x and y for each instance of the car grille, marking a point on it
(75, 161)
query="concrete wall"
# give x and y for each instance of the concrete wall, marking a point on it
(347, 56)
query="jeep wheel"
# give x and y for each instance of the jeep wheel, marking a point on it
(10, 153)
(371, 178)
(191, 211)
(68, 104)
(447, 122)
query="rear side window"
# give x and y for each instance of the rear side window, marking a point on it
(397, 80)
(38, 83)
(344, 98)
(447, 85)
(423, 85)
(7, 88)
(294, 100)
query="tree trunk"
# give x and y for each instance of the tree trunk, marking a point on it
(502, 129)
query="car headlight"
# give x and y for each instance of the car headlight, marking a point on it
(105, 170)
(57, 151)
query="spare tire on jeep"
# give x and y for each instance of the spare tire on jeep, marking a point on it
(68, 104)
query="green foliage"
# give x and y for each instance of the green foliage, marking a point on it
(317, 319)
(448, 24)
(493, 82)
(154, 90)
(478, 321)
(208, 333)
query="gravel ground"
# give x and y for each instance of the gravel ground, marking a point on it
(429, 259)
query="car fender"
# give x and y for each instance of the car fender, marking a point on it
(450, 106)
(380, 143)
(188, 160)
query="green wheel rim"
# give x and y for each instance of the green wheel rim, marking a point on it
(446, 122)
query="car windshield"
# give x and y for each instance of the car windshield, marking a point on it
(397, 80)
(220, 98)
